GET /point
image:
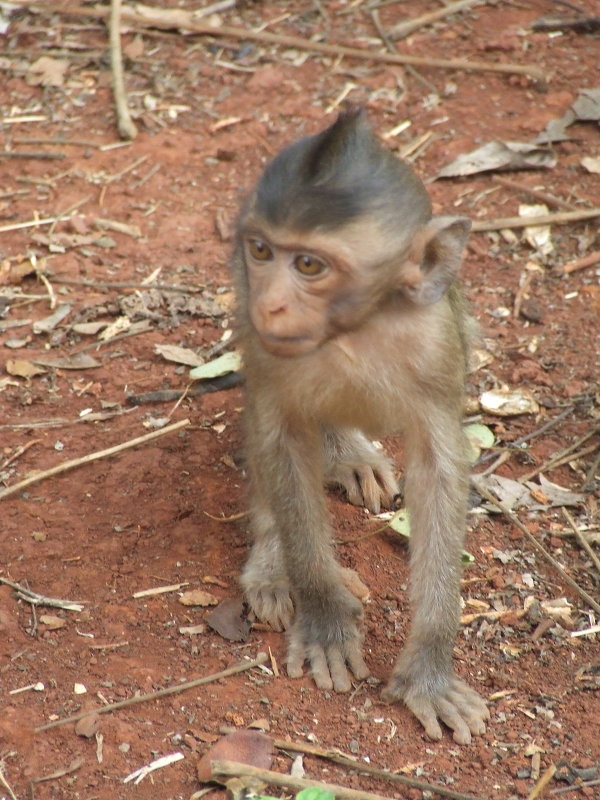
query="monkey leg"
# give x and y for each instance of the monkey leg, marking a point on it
(436, 488)
(355, 464)
(264, 578)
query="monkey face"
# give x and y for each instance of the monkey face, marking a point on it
(290, 293)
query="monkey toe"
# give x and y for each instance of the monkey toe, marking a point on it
(353, 583)
(272, 605)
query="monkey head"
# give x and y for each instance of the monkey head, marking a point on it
(336, 227)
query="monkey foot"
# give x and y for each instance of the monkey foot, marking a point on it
(353, 583)
(328, 664)
(456, 705)
(365, 473)
(270, 604)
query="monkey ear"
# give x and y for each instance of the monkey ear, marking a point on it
(438, 257)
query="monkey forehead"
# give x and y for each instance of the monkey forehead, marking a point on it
(362, 242)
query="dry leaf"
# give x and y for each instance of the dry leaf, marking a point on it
(76, 361)
(52, 622)
(47, 71)
(198, 597)
(499, 156)
(22, 368)
(88, 726)
(49, 323)
(506, 403)
(181, 355)
(245, 747)
(228, 620)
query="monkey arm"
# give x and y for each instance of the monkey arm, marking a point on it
(436, 491)
(286, 465)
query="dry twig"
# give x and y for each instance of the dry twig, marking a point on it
(41, 600)
(125, 124)
(77, 462)
(580, 263)
(403, 29)
(480, 226)
(582, 540)
(539, 547)
(563, 455)
(369, 769)
(169, 19)
(242, 666)
(539, 194)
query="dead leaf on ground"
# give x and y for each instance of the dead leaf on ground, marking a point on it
(52, 622)
(499, 156)
(88, 726)
(198, 597)
(507, 403)
(49, 323)
(246, 747)
(76, 361)
(180, 355)
(47, 71)
(228, 620)
(22, 368)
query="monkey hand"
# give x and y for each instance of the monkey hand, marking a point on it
(329, 643)
(355, 464)
(433, 695)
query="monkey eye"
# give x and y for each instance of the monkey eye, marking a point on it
(309, 265)
(259, 250)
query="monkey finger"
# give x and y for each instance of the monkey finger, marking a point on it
(425, 713)
(356, 661)
(320, 668)
(451, 716)
(337, 669)
(295, 656)
(347, 478)
(370, 489)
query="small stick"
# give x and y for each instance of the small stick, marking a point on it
(221, 768)
(591, 476)
(31, 154)
(163, 287)
(545, 197)
(6, 785)
(559, 458)
(580, 263)
(242, 666)
(560, 218)
(19, 452)
(582, 540)
(125, 125)
(59, 773)
(77, 462)
(539, 547)
(542, 783)
(32, 223)
(176, 18)
(41, 600)
(58, 140)
(403, 29)
(369, 769)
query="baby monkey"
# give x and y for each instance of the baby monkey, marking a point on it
(353, 327)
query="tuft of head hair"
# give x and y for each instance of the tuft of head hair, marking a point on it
(326, 180)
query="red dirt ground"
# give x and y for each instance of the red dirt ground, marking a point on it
(149, 516)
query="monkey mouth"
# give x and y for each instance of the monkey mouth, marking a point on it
(288, 346)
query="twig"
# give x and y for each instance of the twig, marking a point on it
(59, 773)
(31, 154)
(580, 263)
(542, 783)
(182, 20)
(369, 769)
(6, 785)
(403, 29)
(221, 768)
(77, 462)
(545, 197)
(242, 666)
(560, 218)
(539, 547)
(582, 540)
(163, 287)
(125, 125)
(19, 452)
(559, 458)
(575, 787)
(591, 476)
(41, 600)
(32, 223)
(219, 384)
(513, 446)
